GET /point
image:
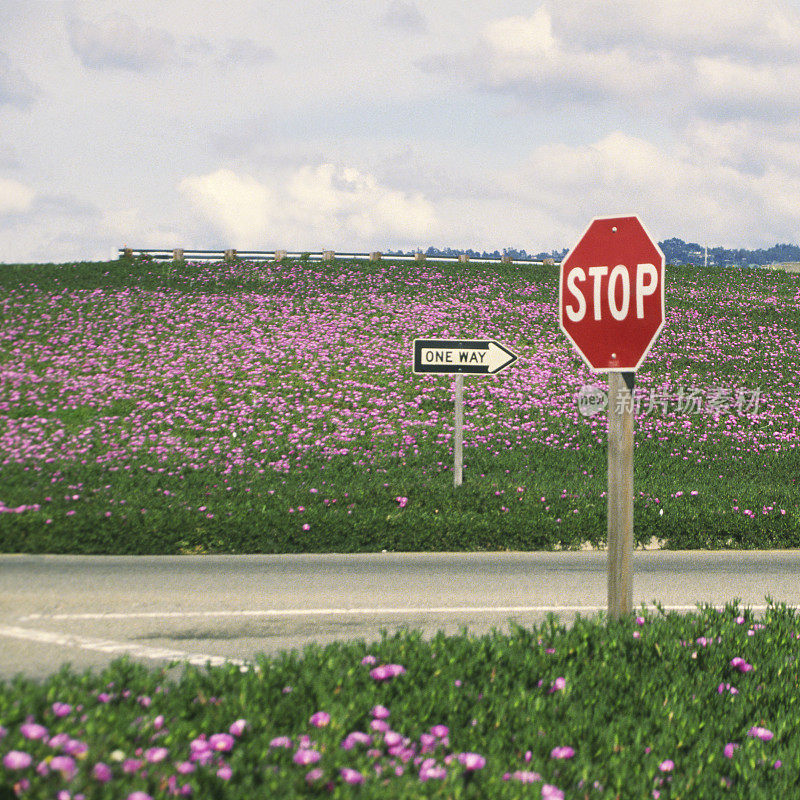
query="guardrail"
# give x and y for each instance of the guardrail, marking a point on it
(178, 254)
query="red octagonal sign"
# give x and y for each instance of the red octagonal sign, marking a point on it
(611, 294)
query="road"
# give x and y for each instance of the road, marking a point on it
(89, 610)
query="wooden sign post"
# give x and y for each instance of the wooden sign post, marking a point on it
(620, 494)
(611, 307)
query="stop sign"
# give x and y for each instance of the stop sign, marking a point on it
(611, 294)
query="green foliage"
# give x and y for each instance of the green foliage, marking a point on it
(643, 704)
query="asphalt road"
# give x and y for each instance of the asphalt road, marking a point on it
(89, 610)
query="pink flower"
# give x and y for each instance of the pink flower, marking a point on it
(65, 765)
(61, 709)
(550, 792)
(762, 733)
(101, 772)
(351, 775)
(305, 757)
(402, 501)
(524, 776)
(156, 754)
(562, 752)
(31, 730)
(237, 728)
(281, 741)
(380, 712)
(139, 796)
(559, 683)
(392, 739)
(471, 761)
(17, 759)
(386, 671)
(320, 719)
(221, 742)
(354, 738)
(440, 731)
(666, 766)
(314, 775)
(429, 769)
(729, 748)
(369, 660)
(199, 745)
(224, 772)
(74, 747)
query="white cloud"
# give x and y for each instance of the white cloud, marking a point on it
(241, 206)
(119, 42)
(677, 59)
(753, 29)
(523, 37)
(727, 87)
(404, 16)
(686, 187)
(312, 207)
(526, 56)
(15, 197)
(247, 52)
(16, 88)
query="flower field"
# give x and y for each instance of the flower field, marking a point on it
(246, 407)
(662, 706)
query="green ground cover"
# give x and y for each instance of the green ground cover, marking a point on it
(271, 408)
(662, 705)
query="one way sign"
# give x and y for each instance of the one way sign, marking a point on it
(461, 356)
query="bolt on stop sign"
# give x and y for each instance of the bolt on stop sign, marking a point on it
(611, 294)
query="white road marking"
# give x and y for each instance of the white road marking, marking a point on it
(111, 646)
(201, 659)
(310, 612)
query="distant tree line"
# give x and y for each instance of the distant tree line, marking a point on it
(450, 252)
(676, 251)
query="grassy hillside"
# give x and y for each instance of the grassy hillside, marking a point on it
(271, 408)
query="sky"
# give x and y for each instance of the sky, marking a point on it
(357, 125)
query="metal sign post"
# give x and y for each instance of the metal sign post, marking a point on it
(460, 357)
(458, 433)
